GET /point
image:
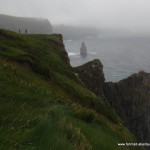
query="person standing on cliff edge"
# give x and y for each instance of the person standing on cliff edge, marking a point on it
(26, 31)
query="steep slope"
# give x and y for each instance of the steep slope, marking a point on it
(132, 93)
(32, 25)
(92, 76)
(42, 103)
(130, 97)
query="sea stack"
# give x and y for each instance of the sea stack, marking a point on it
(83, 49)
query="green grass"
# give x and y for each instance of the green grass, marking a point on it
(42, 104)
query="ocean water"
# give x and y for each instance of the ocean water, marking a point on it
(121, 56)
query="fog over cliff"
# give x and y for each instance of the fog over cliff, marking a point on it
(125, 14)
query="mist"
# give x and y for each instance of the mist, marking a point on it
(131, 15)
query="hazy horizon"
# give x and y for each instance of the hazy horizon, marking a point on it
(117, 14)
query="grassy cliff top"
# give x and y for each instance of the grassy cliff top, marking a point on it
(43, 106)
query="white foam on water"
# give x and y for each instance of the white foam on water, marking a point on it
(69, 40)
(72, 54)
(93, 53)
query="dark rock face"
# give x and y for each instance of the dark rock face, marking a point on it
(131, 99)
(25, 25)
(83, 49)
(64, 54)
(92, 76)
(61, 47)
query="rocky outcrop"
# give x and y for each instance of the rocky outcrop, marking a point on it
(83, 49)
(25, 25)
(92, 76)
(129, 97)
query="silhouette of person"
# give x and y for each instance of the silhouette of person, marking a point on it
(19, 31)
(26, 31)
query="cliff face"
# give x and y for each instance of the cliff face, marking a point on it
(92, 76)
(130, 97)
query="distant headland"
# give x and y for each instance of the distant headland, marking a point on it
(25, 25)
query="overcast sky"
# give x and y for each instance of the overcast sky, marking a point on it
(133, 14)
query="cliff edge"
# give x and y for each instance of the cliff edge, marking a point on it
(43, 104)
(129, 97)
(92, 76)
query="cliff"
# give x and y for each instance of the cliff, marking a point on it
(32, 25)
(129, 97)
(92, 76)
(44, 106)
